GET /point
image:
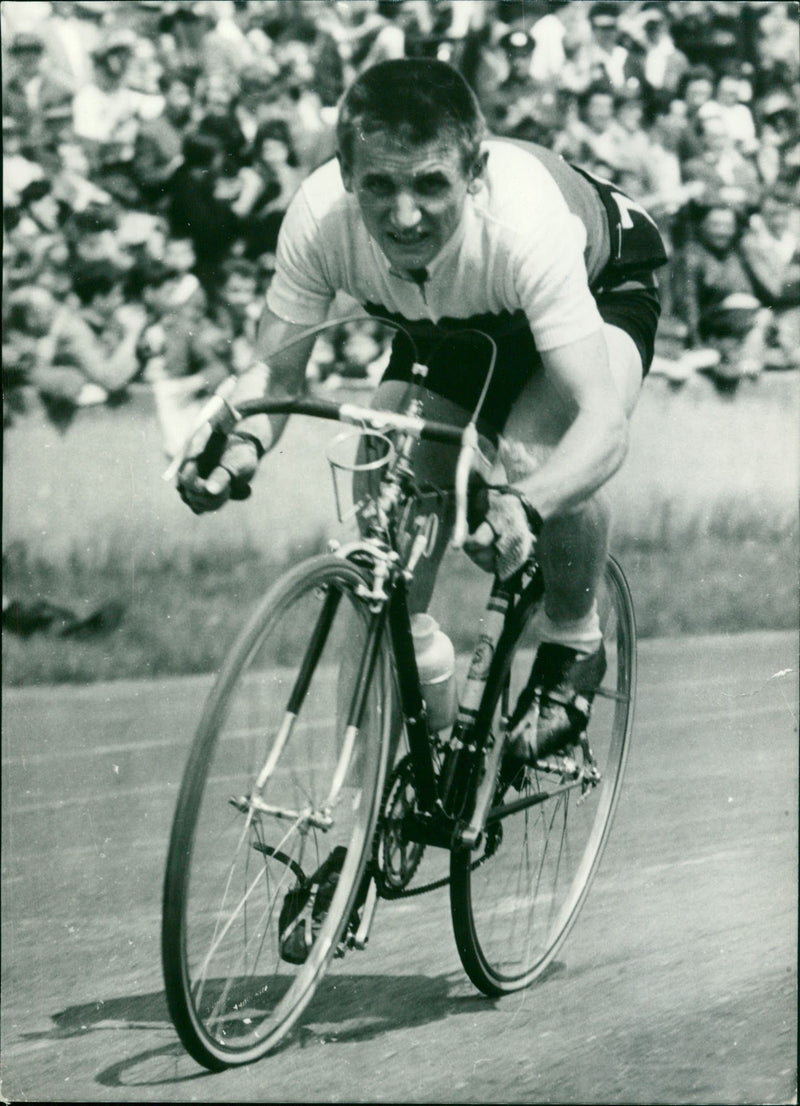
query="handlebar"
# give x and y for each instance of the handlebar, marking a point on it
(221, 414)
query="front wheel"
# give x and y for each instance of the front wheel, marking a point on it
(276, 784)
(515, 898)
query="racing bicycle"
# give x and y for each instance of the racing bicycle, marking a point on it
(315, 784)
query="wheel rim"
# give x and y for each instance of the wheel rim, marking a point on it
(238, 996)
(521, 893)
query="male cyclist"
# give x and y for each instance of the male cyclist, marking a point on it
(426, 220)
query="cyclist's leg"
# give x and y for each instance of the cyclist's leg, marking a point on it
(573, 547)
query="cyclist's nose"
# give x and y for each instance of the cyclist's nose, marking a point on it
(405, 212)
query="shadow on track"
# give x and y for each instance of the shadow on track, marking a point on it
(346, 1009)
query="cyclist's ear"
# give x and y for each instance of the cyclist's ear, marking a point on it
(478, 171)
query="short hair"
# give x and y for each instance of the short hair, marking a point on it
(93, 278)
(419, 99)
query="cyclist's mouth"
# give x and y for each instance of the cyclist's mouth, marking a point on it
(407, 241)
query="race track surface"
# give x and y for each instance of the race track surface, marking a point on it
(677, 985)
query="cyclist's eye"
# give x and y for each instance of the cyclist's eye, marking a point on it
(377, 186)
(431, 186)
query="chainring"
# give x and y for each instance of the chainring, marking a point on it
(396, 859)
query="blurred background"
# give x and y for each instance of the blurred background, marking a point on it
(149, 152)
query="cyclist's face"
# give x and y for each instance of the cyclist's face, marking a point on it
(411, 198)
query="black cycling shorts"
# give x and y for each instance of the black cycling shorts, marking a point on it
(626, 294)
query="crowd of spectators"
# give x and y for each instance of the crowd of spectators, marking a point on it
(150, 150)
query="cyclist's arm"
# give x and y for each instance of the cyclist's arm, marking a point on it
(595, 441)
(278, 376)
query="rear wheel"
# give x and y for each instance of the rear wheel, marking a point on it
(276, 781)
(515, 898)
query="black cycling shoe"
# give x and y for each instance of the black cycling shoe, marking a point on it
(553, 709)
(305, 906)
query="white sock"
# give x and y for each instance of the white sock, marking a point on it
(582, 634)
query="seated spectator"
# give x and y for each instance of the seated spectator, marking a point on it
(254, 104)
(771, 247)
(196, 211)
(184, 355)
(19, 168)
(778, 121)
(158, 144)
(92, 235)
(515, 96)
(72, 184)
(237, 311)
(70, 34)
(217, 119)
(106, 117)
(715, 295)
(591, 139)
(664, 64)
(271, 181)
(735, 114)
(603, 59)
(31, 87)
(695, 89)
(719, 166)
(87, 355)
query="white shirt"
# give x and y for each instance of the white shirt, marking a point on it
(517, 248)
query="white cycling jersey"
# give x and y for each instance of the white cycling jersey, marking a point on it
(531, 240)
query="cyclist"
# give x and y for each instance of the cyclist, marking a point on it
(425, 219)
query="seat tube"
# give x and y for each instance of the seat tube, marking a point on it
(414, 709)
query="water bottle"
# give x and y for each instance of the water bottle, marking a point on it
(436, 664)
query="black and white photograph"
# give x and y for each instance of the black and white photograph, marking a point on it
(400, 551)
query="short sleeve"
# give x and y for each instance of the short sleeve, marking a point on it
(551, 282)
(300, 291)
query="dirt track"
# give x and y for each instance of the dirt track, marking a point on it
(677, 985)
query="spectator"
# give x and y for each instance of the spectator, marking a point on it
(237, 312)
(720, 167)
(715, 295)
(771, 247)
(184, 356)
(85, 356)
(735, 114)
(551, 36)
(106, 116)
(516, 96)
(273, 180)
(664, 64)
(32, 88)
(92, 235)
(218, 120)
(603, 58)
(696, 89)
(70, 34)
(158, 143)
(19, 170)
(196, 211)
(591, 140)
(778, 156)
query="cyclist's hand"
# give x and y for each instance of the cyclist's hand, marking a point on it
(501, 539)
(222, 471)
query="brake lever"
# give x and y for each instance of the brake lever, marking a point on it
(469, 446)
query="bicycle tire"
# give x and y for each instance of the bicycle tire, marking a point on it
(516, 897)
(231, 996)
